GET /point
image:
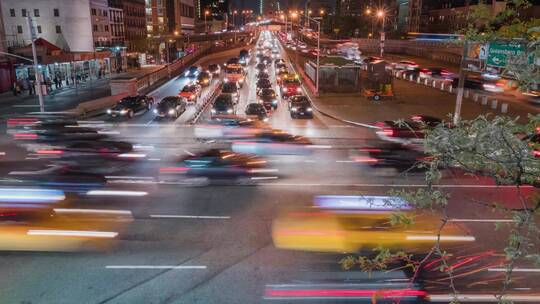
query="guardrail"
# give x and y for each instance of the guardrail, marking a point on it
(96, 106)
(208, 99)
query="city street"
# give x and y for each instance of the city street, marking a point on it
(198, 243)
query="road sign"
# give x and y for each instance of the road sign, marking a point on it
(499, 52)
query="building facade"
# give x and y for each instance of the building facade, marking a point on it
(155, 17)
(116, 20)
(101, 32)
(64, 23)
(218, 9)
(134, 24)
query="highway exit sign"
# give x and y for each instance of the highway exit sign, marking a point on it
(499, 52)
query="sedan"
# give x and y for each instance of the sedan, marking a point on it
(300, 107)
(405, 65)
(262, 75)
(263, 83)
(193, 71)
(128, 106)
(171, 107)
(224, 104)
(261, 67)
(268, 98)
(214, 69)
(257, 110)
(204, 79)
(191, 92)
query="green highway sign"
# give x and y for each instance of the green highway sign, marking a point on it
(498, 53)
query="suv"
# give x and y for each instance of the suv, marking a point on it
(224, 104)
(128, 106)
(299, 105)
(290, 85)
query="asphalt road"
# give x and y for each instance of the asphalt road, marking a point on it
(212, 244)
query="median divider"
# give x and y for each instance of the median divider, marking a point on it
(207, 100)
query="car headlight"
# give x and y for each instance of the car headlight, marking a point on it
(265, 119)
(309, 109)
(229, 111)
(241, 80)
(285, 89)
(186, 73)
(171, 112)
(274, 101)
(213, 111)
(298, 90)
(266, 70)
(155, 111)
(226, 79)
(123, 112)
(192, 96)
(294, 109)
(109, 111)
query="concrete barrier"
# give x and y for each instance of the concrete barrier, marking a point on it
(484, 100)
(466, 93)
(494, 104)
(418, 80)
(97, 106)
(442, 86)
(450, 89)
(434, 83)
(411, 78)
(475, 97)
(504, 108)
(426, 81)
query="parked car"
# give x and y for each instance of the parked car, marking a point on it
(129, 106)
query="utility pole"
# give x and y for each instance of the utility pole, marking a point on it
(37, 73)
(461, 83)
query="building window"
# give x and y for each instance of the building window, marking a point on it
(94, 27)
(94, 12)
(39, 29)
(12, 12)
(58, 29)
(106, 28)
(56, 12)
(23, 12)
(36, 12)
(105, 13)
(19, 29)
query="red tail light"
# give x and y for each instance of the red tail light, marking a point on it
(21, 121)
(388, 132)
(173, 169)
(366, 160)
(50, 152)
(371, 150)
(25, 136)
(536, 153)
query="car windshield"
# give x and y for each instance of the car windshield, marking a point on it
(263, 81)
(127, 101)
(234, 70)
(169, 102)
(268, 92)
(193, 69)
(189, 89)
(229, 88)
(222, 103)
(291, 81)
(255, 108)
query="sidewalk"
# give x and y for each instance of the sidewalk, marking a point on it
(67, 97)
(410, 99)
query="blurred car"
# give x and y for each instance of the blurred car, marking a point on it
(56, 177)
(47, 119)
(257, 110)
(359, 224)
(405, 65)
(278, 63)
(290, 85)
(244, 57)
(171, 106)
(275, 53)
(268, 98)
(128, 106)
(409, 133)
(232, 61)
(263, 83)
(224, 104)
(439, 73)
(80, 149)
(273, 142)
(231, 88)
(389, 155)
(214, 69)
(217, 165)
(480, 84)
(204, 79)
(193, 71)
(266, 60)
(300, 106)
(191, 92)
(55, 134)
(371, 59)
(230, 126)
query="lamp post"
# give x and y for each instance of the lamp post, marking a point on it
(33, 37)
(206, 13)
(381, 14)
(368, 13)
(318, 52)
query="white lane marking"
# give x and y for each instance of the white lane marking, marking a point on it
(318, 146)
(90, 121)
(344, 161)
(154, 267)
(132, 155)
(486, 298)
(482, 220)
(128, 177)
(517, 269)
(96, 234)
(309, 161)
(150, 122)
(264, 177)
(115, 193)
(143, 147)
(154, 159)
(109, 132)
(92, 211)
(442, 238)
(2, 153)
(189, 216)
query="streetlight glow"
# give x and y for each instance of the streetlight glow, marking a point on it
(321, 12)
(368, 11)
(176, 33)
(380, 13)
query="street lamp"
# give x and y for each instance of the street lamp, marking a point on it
(321, 12)
(381, 14)
(176, 33)
(206, 13)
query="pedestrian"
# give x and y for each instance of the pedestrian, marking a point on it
(56, 82)
(31, 88)
(14, 88)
